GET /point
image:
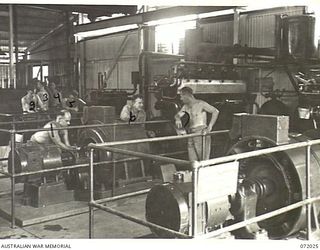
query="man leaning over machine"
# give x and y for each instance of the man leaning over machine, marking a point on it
(57, 137)
(197, 111)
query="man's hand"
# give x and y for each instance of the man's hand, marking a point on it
(207, 130)
(74, 148)
(178, 123)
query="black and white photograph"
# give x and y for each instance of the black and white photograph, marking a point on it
(159, 121)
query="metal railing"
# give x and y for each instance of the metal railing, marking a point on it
(13, 175)
(196, 166)
(110, 147)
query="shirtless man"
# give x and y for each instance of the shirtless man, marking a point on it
(31, 102)
(57, 137)
(197, 111)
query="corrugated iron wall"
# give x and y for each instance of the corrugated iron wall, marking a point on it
(57, 53)
(218, 33)
(257, 28)
(4, 75)
(99, 57)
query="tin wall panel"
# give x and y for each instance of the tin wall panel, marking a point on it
(107, 47)
(100, 55)
(256, 29)
(218, 33)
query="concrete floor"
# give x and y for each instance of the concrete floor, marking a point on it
(106, 225)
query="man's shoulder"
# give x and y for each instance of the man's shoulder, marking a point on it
(126, 107)
(53, 124)
(201, 102)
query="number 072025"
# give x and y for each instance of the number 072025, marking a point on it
(309, 246)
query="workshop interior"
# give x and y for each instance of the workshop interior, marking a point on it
(90, 146)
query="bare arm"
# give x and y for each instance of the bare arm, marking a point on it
(39, 102)
(178, 117)
(125, 113)
(25, 105)
(66, 138)
(214, 114)
(55, 137)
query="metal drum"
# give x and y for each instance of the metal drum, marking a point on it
(167, 206)
(33, 157)
(281, 181)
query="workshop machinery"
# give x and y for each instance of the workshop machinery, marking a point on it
(263, 184)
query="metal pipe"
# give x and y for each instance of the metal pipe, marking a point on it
(113, 165)
(90, 126)
(6, 114)
(308, 192)
(83, 165)
(240, 156)
(13, 147)
(11, 68)
(30, 121)
(5, 173)
(195, 171)
(91, 174)
(5, 130)
(122, 196)
(156, 139)
(143, 155)
(91, 212)
(258, 218)
(203, 143)
(139, 221)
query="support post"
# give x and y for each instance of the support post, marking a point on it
(11, 68)
(308, 192)
(13, 190)
(91, 208)
(194, 209)
(236, 22)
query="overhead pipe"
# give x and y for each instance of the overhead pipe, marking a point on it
(11, 68)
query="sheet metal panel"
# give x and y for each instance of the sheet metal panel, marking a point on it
(218, 33)
(100, 54)
(107, 47)
(257, 28)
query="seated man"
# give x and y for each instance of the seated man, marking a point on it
(134, 112)
(43, 95)
(73, 103)
(31, 102)
(57, 137)
(55, 96)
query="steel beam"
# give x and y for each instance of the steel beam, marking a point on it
(149, 16)
(47, 36)
(20, 43)
(26, 29)
(27, 37)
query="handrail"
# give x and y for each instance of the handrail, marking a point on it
(148, 156)
(91, 126)
(258, 218)
(195, 175)
(235, 157)
(156, 139)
